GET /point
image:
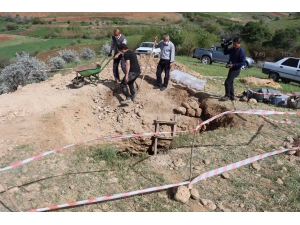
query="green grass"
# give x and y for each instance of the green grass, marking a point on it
(219, 70)
(38, 45)
(19, 40)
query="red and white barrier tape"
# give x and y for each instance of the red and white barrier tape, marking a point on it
(250, 111)
(159, 188)
(86, 141)
(239, 164)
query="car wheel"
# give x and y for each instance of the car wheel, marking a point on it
(205, 60)
(274, 76)
(245, 66)
(285, 81)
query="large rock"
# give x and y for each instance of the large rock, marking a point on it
(198, 112)
(195, 194)
(182, 194)
(180, 110)
(194, 105)
(252, 100)
(186, 105)
(191, 112)
(256, 166)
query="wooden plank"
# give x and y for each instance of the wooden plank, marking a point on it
(165, 122)
(155, 138)
(165, 138)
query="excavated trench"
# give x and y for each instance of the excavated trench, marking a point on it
(210, 107)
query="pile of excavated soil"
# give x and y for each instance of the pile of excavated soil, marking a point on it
(260, 82)
(52, 113)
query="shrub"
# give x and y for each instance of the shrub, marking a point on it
(87, 53)
(18, 73)
(57, 63)
(73, 42)
(68, 55)
(11, 27)
(105, 49)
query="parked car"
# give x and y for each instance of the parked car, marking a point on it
(216, 54)
(146, 47)
(286, 69)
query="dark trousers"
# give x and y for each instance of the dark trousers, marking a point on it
(132, 76)
(163, 65)
(229, 89)
(116, 66)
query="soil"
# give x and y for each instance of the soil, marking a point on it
(6, 37)
(52, 113)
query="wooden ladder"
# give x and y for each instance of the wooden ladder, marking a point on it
(158, 122)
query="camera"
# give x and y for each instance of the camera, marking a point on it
(227, 64)
(226, 42)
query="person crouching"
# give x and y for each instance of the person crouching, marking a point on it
(132, 73)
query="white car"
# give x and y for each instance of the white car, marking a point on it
(146, 48)
(286, 69)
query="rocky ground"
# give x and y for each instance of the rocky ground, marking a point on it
(44, 116)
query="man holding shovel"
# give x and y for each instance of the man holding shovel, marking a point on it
(166, 61)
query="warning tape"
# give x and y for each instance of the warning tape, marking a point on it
(87, 141)
(159, 188)
(250, 111)
(257, 112)
(239, 164)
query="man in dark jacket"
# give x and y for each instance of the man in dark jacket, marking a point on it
(116, 42)
(237, 59)
(131, 74)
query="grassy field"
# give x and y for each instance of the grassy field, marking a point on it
(9, 48)
(219, 70)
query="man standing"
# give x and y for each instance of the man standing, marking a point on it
(166, 61)
(237, 59)
(131, 74)
(116, 41)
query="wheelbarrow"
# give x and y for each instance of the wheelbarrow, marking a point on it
(88, 72)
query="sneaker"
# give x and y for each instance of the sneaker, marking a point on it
(224, 98)
(132, 98)
(163, 88)
(127, 101)
(156, 87)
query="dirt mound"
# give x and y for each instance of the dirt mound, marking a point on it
(52, 113)
(260, 82)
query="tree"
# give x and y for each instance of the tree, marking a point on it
(285, 38)
(256, 32)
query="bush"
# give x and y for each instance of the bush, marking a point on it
(18, 73)
(105, 49)
(57, 63)
(11, 27)
(73, 42)
(87, 53)
(69, 55)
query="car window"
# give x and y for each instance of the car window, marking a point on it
(291, 62)
(219, 49)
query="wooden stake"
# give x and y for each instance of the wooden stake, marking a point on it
(155, 140)
(191, 159)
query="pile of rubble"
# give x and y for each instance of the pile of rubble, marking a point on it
(190, 108)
